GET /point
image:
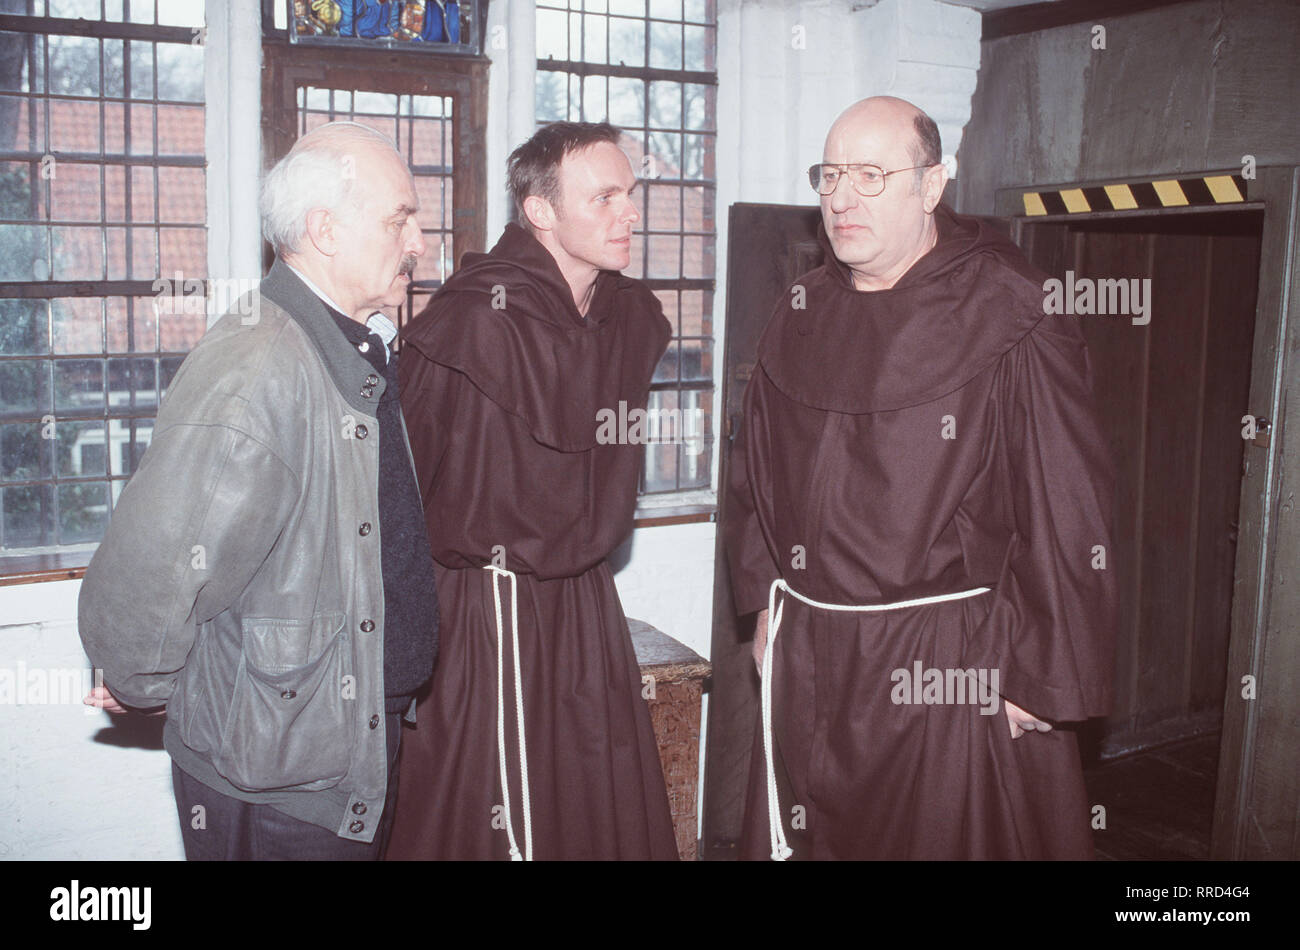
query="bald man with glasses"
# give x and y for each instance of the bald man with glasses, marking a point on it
(920, 517)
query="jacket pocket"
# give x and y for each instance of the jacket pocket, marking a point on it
(290, 726)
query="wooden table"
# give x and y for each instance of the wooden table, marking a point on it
(673, 678)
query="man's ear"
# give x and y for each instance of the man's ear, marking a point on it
(540, 213)
(933, 182)
(321, 225)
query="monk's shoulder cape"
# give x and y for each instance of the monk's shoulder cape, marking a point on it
(506, 320)
(958, 310)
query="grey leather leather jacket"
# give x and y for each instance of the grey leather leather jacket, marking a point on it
(239, 580)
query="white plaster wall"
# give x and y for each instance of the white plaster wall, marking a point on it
(72, 785)
(667, 581)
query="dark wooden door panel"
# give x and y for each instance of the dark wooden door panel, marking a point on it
(769, 246)
(1171, 394)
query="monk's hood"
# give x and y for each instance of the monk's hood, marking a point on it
(507, 321)
(958, 309)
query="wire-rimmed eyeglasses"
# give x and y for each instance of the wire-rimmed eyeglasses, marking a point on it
(867, 180)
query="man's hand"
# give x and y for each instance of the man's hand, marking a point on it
(1022, 722)
(101, 697)
(760, 639)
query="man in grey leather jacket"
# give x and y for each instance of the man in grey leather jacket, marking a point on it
(240, 583)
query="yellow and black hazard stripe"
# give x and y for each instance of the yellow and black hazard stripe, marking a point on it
(1140, 195)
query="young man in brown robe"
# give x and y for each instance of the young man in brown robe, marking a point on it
(534, 740)
(918, 430)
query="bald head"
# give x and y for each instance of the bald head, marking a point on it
(909, 122)
(879, 236)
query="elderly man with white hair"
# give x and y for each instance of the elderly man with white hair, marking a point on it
(266, 577)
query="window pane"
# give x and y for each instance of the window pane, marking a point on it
(77, 324)
(29, 49)
(180, 130)
(75, 193)
(666, 9)
(114, 72)
(666, 105)
(28, 516)
(664, 256)
(661, 458)
(23, 254)
(626, 102)
(593, 99)
(694, 150)
(694, 322)
(184, 250)
(78, 385)
(552, 35)
(626, 42)
(74, 9)
(74, 64)
(21, 448)
(551, 97)
(180, 72)
(697, 257)
(666, 148)
(24, 330)
(698, 47)
(700, 110)
(666, 371)
(181, 195)
(74, 127)
(665, 210)
(82, 448)
(21, 125)
(179, 12)
(25, 388)
(83, 512)
(593, 39)
(141, 57)
(665, 46)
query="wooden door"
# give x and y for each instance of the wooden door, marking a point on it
(770, 245)
(1172, 385)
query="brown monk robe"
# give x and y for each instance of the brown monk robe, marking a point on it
(932, 438)
(502, 380)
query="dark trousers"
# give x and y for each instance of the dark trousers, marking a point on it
(235, 830)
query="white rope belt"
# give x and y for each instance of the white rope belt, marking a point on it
(497, 572)
(780, 849)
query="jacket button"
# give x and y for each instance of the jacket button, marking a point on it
(358, 808)
(367, 391)
(357, 827)
(372, 380)
(367, 626)
(361, 432)
(288, 694)
(374, 722)
(364, 529)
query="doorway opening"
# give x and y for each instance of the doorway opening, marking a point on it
(1172, 379)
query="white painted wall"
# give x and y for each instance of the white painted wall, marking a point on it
(73, 786)
(66, 792)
